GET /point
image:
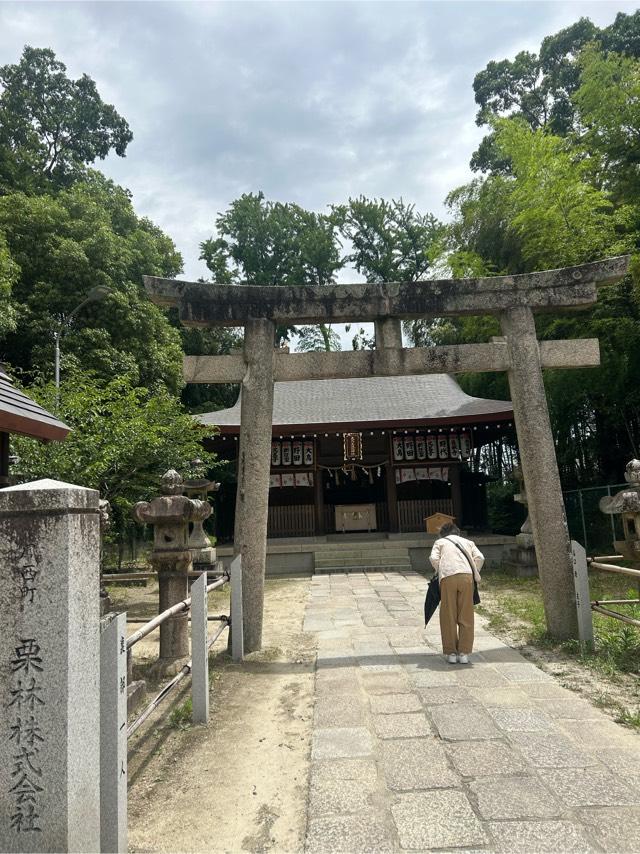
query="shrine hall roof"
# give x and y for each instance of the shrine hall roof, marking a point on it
(380, 401)
(20, 414)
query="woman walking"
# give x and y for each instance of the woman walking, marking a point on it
(458, 562)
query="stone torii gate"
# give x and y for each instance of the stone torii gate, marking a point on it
(514, 299)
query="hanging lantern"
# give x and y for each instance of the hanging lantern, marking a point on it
(443, 447)
(276, 454)
(432, 448)
(421, 448)
(465, 445)
(308, 453)
(286, 453)
(297, 453)
(409, 448)
(398, 449)
(454, 446)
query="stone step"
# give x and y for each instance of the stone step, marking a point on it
(359, 556)
(327, 570)
(365, 563)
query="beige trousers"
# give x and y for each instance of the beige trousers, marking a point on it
(456, 613)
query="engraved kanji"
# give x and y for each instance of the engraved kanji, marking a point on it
(26, 732)
(27, 656)
(26, 695)
(27, 576)
(22, 762)
(25, 819)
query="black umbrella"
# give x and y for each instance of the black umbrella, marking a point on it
(432, 599)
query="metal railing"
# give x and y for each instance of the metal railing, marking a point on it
(152, 625)
(584, 604)
(115, 648)
(596, 605)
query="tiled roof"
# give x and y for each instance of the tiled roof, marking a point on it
(382, 400)
(20, 414)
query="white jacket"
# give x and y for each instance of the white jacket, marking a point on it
(447, 559)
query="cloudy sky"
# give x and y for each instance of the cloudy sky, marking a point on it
(310, 102)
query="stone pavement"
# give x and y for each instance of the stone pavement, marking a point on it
(411, 753)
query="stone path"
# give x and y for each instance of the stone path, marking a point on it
(411, 753)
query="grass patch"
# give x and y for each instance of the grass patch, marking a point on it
(181, 716)
(517, 606)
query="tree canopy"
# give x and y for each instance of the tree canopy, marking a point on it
(123, 438)
(52, 127)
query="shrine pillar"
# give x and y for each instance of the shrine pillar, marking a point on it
(540, 469)
(254, 467)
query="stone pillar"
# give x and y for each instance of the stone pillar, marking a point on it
(49, 668)
(254, 466)
(540, 469)
(388, 333)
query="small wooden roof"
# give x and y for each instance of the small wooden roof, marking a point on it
(19, 414)
(371, 401)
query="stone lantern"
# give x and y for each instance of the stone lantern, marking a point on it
(202, 552)
(626, 504)
(171, 514)
(521, 559)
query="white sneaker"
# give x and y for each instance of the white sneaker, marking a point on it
(453, 658)
(463, 659)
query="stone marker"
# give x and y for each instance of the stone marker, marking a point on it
(113, 733)
(199, 651)
(583, 597)
(49, 668)
(237, 634)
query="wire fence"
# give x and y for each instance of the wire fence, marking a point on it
(587, 523)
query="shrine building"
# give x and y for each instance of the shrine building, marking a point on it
(376, 454)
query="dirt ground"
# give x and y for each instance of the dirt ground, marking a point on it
(239, 784)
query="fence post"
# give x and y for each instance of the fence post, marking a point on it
(584, 524)
(113, 735)
(49, 668)
(613, 524)
(237, 633)
(583, 598)
(199, 651)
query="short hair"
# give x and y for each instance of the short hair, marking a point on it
(449, 528)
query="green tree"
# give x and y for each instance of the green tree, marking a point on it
(322, 338)
(64, 245)
(539, 88)
(52, 127)
(124, 437)
(9, 273)
(559, 216)
(390, 241)
(260, 242)
(608, 109)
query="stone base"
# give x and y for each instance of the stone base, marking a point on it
(136, 693)
(166, 667)
(520, 562)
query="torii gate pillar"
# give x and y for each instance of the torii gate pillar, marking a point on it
(540, 470)
(254, 462)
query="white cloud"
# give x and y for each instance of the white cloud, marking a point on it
(310, 102)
